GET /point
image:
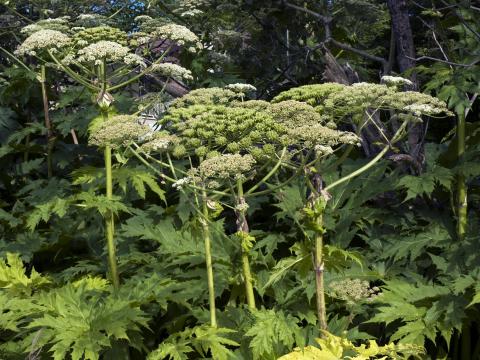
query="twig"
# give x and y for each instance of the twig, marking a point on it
(444, 61)
(324, 19)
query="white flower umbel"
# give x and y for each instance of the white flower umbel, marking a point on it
(118, 131)
(103, 50)
(395, 81)
(142, 18)
(43, 40)
(158, 142)
(180, 35)
(421, 109)
(174, 71)
(134, 59)
(241, 88)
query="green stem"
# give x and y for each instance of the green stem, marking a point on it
(372, 162)
(109, 221)
(242, 228)
(21, 63)
(73, 74)
(319, 280)
(317, 202)
(269, 175)
(48, 123)
(360, 170)
(166, 177)
(208, 259)
(136, 77)
(461, 184)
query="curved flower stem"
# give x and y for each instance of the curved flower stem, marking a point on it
(73, 74)
(20, 62)
(270, 173)
(208, 259)
(243, 230)
(136, 77)
(298, 171)
(372, 162)
(168, 178)
(48, 124)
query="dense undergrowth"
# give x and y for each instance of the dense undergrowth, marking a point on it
(137, 223)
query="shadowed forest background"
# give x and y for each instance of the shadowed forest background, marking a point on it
(213, 179)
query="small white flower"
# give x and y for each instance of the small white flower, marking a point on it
(180, 183)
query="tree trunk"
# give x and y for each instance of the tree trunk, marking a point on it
(405, 50)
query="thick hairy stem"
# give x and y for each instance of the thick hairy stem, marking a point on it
(461, 185)
(242, 228)
(109, 221)
(319, 269)
(208, 260)
(316, 198)
(48, 123)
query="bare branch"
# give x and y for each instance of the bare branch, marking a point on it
(359, 52)
(323, 18)
(445, 61)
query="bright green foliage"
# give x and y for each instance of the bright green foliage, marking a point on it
(272, 332)
(425, 310)
(82, 322)
(202, 339)
(333, 347)
(425, 183)
(13, 279)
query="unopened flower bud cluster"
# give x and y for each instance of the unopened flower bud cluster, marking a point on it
(226, 166)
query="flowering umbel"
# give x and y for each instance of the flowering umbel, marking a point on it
(43, 40)
(117, 131)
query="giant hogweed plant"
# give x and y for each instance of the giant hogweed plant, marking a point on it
(356, 105)
(103, 60)
(307, 137)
